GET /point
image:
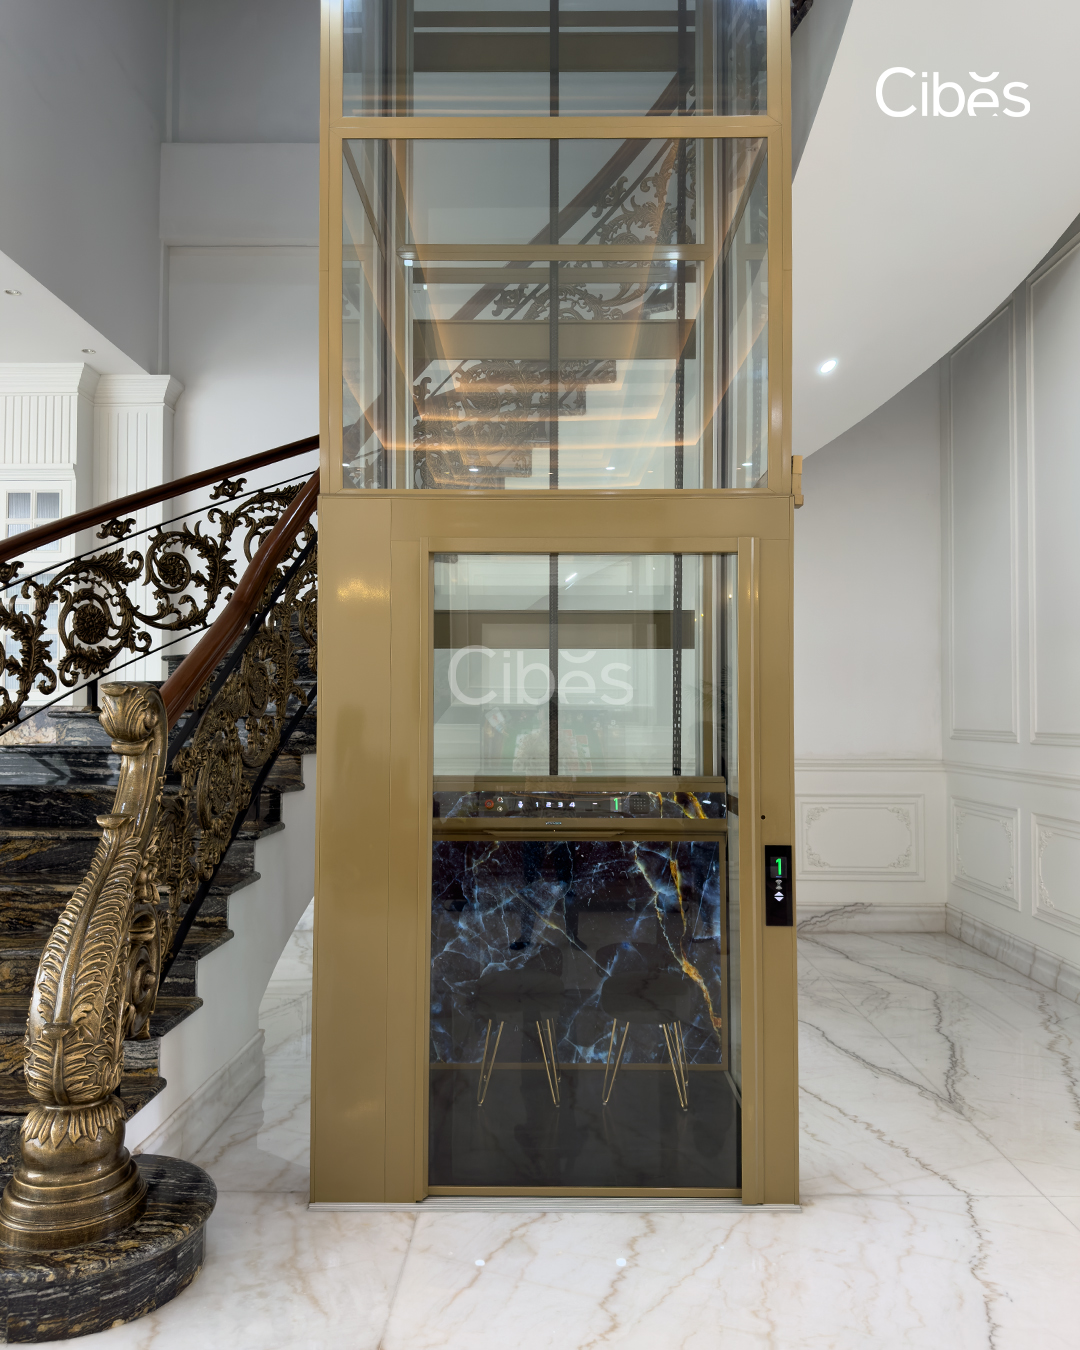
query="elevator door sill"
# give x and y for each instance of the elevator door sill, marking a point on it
(557, 1204)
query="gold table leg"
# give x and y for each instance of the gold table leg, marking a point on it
(485, 1067)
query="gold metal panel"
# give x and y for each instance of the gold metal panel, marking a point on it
(643, 127)
(352, 997)
(776, 807)
(642, 521)
(369, 1131)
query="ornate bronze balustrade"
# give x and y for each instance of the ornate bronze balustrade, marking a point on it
(230, 708)
(88, 602)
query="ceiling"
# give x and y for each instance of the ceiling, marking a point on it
(36, 326)
(909, 231)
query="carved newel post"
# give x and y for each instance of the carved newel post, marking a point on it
(96, 986)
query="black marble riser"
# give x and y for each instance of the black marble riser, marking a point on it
(59, 1295)
(26, 807)
(61, 808)
(136, 1090)
(27, 851)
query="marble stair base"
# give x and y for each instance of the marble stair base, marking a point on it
(54, 1296)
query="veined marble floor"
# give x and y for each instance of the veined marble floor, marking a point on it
(940, 1182)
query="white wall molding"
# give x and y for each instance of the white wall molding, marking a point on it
(1066, 781)
(981, 534)
(1053, 296)
(46, 422)
(859, 837)
(196, 1118)
(1055, 866)
(1045, 968)
(141, 390)
(983, 842)
(853, 765)
(868, 917)
(41, 377)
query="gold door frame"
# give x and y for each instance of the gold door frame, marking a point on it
(373, 852)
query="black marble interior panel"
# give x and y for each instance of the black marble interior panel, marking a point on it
(505, 906)
(591, 936)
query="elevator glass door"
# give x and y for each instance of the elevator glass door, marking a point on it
(584, 988)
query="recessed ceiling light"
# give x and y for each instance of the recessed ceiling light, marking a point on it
(827, 366)
(13, 292)
(89, 350)
(611, 468)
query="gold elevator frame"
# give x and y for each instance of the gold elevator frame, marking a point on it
(373, 847)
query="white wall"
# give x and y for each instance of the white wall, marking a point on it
(1011, 679)
(243, 340)
(246, 70)
(868, 669)
(214, 1058)
(82, 107)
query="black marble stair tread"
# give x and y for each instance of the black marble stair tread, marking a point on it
(171, 1010)
(256, 829)
(135, 1090)
(28, 942)
(201, 941)
(63, 807)
(57, 766)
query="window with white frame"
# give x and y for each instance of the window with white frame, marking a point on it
(26, 510)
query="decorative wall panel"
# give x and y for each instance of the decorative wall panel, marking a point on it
(1055, 857)
(981, 523)
(40, 409)
(984, 850)
(1053, 488)
(853, 838)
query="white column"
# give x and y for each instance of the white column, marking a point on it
(133, 432)
(47, 433)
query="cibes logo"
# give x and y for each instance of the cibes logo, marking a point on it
(946, 98)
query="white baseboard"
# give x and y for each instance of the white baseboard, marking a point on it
(870, 917)
(1053, 972)
(196, 1119)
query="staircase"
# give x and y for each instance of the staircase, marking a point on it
(50, 797)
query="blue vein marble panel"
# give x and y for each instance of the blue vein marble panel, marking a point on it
(597, 931)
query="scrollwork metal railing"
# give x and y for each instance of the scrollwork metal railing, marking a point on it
(66, 625)
(193, 757)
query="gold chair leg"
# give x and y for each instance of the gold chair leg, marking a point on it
(485, 1067)
(609, 1071)
(551, 1058)
(677, 1052)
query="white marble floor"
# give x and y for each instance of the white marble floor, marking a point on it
(940, 1180)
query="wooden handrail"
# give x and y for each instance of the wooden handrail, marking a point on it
(122, 506)
(188, 678)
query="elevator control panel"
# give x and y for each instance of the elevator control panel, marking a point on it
(779, 907)
(502, 803)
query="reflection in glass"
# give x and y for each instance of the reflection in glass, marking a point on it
(649, 369)
(580, 664)
(504, 59)
(584, 873)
